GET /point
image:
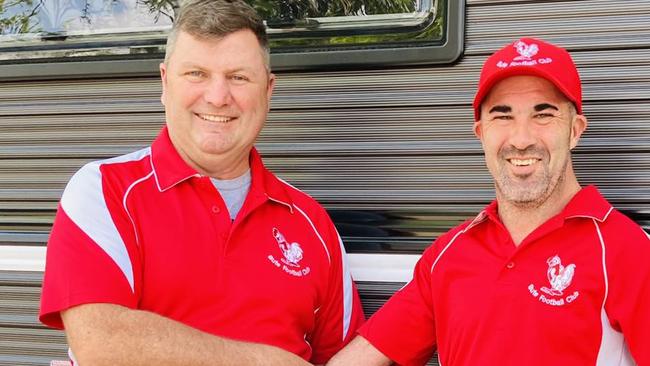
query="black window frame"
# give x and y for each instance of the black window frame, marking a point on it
(445, 52)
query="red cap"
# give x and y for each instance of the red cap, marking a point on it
(529, 56)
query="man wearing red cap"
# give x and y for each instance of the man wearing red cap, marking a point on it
(548, 273)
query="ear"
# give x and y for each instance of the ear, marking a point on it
(477, 130)
(270, 87)
(578, 126)
(163, 79)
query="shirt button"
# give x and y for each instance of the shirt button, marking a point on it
(216, 209)
(510, 265)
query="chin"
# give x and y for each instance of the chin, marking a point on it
(525, 196)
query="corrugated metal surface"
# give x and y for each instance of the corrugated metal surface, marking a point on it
(389, 152)
(23, 341)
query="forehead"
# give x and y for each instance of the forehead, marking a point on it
(239, 49)
(526, 90)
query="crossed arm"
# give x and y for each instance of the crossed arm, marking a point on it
(107, 334)
(359, 353)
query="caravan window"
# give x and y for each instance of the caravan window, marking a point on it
(332, 33)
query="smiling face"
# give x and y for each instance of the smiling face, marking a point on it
(216, 94)
(527, 129)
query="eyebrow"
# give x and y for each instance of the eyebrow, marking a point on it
(500, 109)
(191, 65)
(543, 106)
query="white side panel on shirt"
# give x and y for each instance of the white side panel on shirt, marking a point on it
(348, 299)
(613, 349)
(83, 201)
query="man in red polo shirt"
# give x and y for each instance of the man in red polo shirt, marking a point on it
(190, 252)
(549, 273)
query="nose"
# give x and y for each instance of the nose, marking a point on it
(217, 92)
(522, 134)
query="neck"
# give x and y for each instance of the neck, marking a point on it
(221, 167)
(521, 220)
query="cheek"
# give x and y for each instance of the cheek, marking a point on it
(251, 100)
(491, 145)
(183, 95)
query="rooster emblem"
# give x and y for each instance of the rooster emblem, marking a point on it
(525, 50)
(291, 251)
(558, 275)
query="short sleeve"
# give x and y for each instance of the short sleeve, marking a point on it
(341, 313)
(87, 258)
(403, 329)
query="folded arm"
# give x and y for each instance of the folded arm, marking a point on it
(359, 352)
(107, 334)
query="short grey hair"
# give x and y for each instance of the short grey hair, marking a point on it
(214, 19)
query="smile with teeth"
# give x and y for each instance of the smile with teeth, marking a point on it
(522, 162)
(215, 118)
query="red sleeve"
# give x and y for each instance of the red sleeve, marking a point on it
(341, 313)
(87, 259)
(403, 329)
(628, 275)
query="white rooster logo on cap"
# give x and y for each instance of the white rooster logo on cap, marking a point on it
(525, 50)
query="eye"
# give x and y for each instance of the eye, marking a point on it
(502, 117)
(239, 78)
(544, 117)
(195, 75)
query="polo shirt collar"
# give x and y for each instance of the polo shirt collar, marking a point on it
(588, 203)
(170, 169)
(265, 184)
(168, 166)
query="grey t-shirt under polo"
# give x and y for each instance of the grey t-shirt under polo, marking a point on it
(234, 191)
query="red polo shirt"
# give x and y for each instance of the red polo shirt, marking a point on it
(576, 291)
(147, 232)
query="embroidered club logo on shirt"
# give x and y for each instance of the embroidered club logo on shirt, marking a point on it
(558, 275)
(526, 53)
(292, 253)
(559, 278)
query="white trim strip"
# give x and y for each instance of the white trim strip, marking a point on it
(613, 350)
(382, 267)
(21, 258)
(448, 245)
(126, 195)
(362, 267)
(348, 298)
(600, 219)
(155, 176)
(281, 202)
(329, 259)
